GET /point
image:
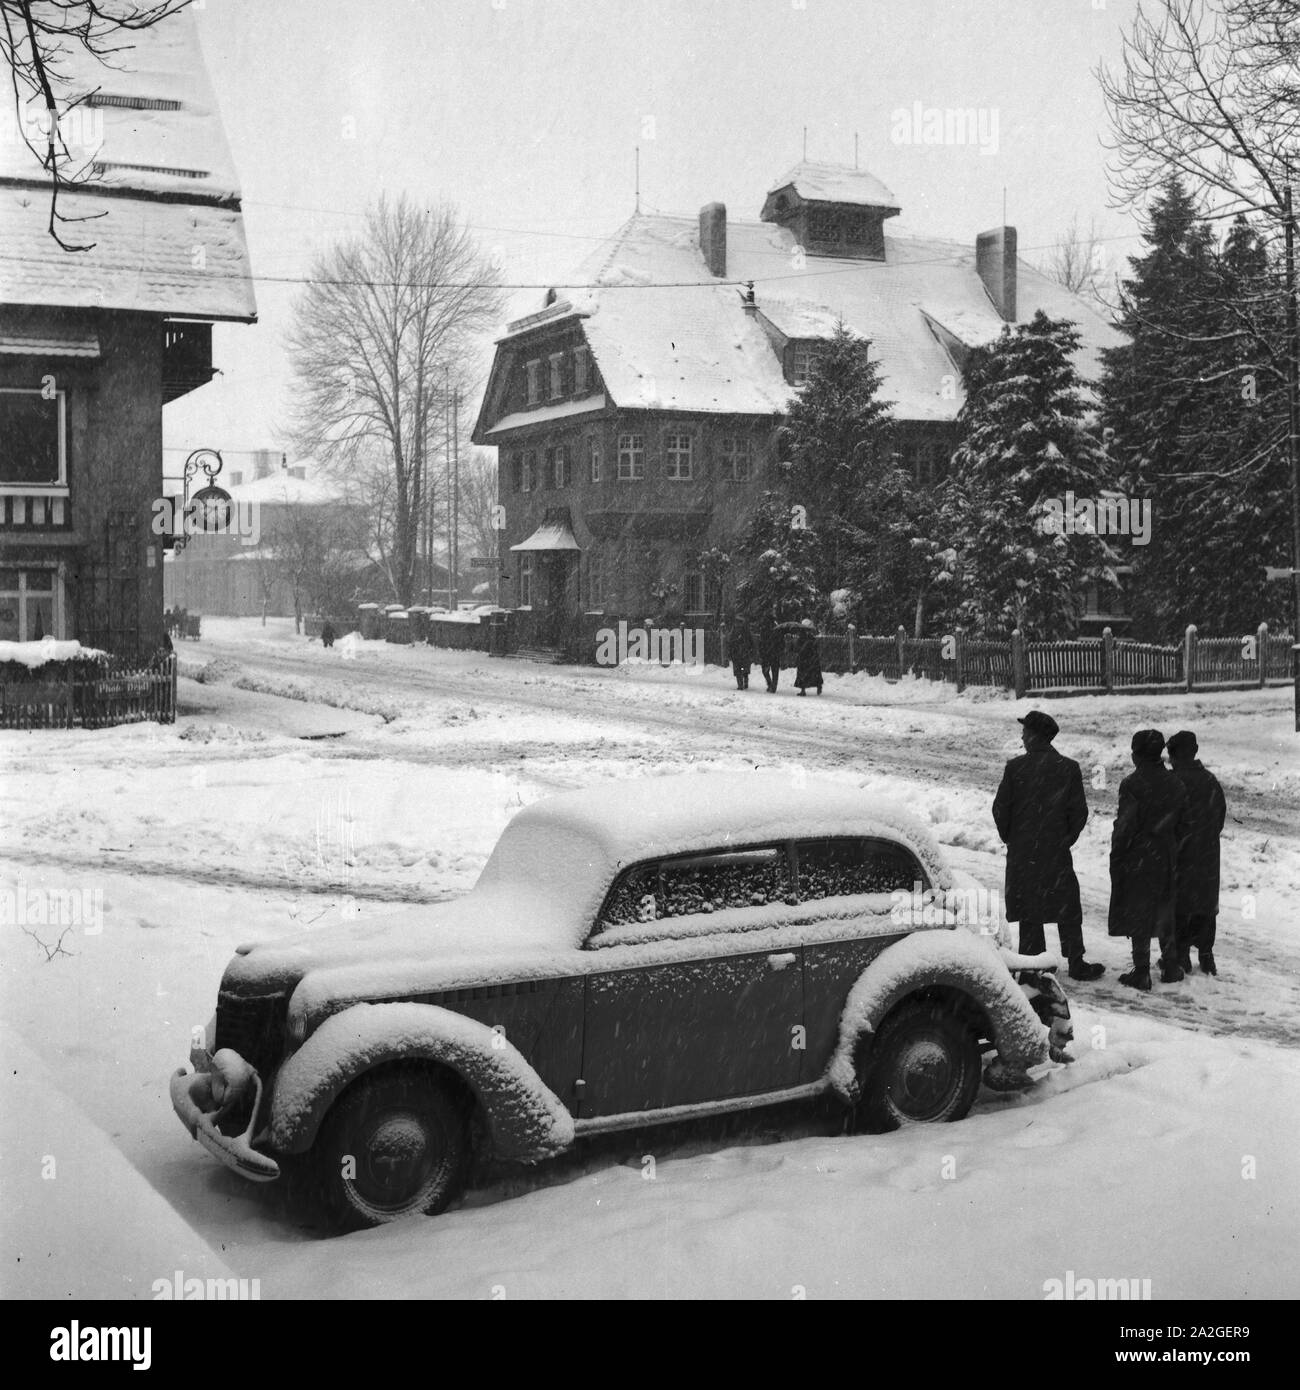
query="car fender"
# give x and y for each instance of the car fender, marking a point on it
(525, 1119)
(946, 958)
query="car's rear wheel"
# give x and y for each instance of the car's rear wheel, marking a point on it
(395, 1144)
(922, 1068)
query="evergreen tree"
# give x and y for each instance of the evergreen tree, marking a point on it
(1024, 444)
(778, 558)
(1196, 402)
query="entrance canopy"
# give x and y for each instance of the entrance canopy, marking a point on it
(550, 535)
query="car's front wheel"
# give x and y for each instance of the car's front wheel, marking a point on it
(395, 1144)
(922, 1068)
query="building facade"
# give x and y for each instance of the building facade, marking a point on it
(636, 414)
(94, 342)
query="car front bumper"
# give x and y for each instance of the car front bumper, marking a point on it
(191, 1093)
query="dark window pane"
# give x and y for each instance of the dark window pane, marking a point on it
(829, 868)
(41, 581)
(29, 438)
(710, 883)
(633, 898)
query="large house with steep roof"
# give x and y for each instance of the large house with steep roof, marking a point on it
(636, 413)
(94, 342)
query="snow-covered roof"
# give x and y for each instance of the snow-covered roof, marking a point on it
(655, 816)
(153, 172)
(283, 487)
(667, 335)
(833, 183)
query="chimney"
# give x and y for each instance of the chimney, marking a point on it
(713, 238)
(995, 259)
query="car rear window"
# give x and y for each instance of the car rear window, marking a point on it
(831, 868)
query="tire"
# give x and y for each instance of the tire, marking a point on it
(407, 1134)
(922, 1068)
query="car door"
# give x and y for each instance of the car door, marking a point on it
(843, 868)
(716, 1026)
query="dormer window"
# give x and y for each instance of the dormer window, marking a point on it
(802, 356)
(557, 375)
(533, 371)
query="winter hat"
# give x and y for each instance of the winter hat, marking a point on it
(1039, 723)
(1148, 743)
(1184, 741)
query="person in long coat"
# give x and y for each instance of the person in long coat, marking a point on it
(327, 634)
(1196, 906)
(1150, 822)
(807, 656)
(740, 648)
(1040, 811)
(771, 645)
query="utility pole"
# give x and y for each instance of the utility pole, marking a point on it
(1293, 433)
(446, 431)
(455, 489)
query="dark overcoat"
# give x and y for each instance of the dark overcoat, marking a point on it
(1198, 855)
(808, 659)
(771, 644)
(740, 645)
(1040, 811)
(1150, 822)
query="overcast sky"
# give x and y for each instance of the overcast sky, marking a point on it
(525, 114)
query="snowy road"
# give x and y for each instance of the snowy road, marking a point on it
(256, 817)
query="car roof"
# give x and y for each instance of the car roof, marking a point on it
(648, 817)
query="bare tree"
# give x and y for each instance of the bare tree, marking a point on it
(1208, 89)
(38, 38)
(317, 550)
(1077, 261)
(379, 334)
(478, 509)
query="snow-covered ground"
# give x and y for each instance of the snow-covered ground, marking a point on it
(1165, 1152)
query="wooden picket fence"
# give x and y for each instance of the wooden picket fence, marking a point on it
(94, 694)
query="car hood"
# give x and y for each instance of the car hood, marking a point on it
(482, 934)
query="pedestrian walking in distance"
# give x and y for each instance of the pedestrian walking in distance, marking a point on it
(807, 656)
(327, 634)
(740, 647)
(1040, 811)
(1196, 904)
(1150, 823)
(771, 644)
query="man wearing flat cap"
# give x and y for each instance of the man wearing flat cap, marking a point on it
(1040, 811)
(1150, 823)
(1197, 901)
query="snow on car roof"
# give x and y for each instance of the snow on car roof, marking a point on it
(648, 817)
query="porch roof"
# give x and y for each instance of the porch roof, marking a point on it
(550, 535)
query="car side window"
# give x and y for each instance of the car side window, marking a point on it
(698, 884)
(829, 868)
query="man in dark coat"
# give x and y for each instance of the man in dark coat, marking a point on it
(740, 647)
(1040, 811)
(327, 634)
(771, 644)
(1197, 902)
(1150, 823)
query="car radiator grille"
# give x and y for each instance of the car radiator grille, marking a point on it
(254, 1028)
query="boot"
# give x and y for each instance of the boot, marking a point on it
(1170, 973)
(1207, 963)
(1081, 969)
(1185, 959)
(1137, 979)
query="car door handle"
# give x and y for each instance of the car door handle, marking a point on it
(779, 962)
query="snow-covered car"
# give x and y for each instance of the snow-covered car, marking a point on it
(632, 954)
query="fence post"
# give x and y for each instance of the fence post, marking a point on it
(1261, 648)
(959, 642)
(1189, 657)
(902, 637)
(1108, 660)
(852, 663)
(1018, 663)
